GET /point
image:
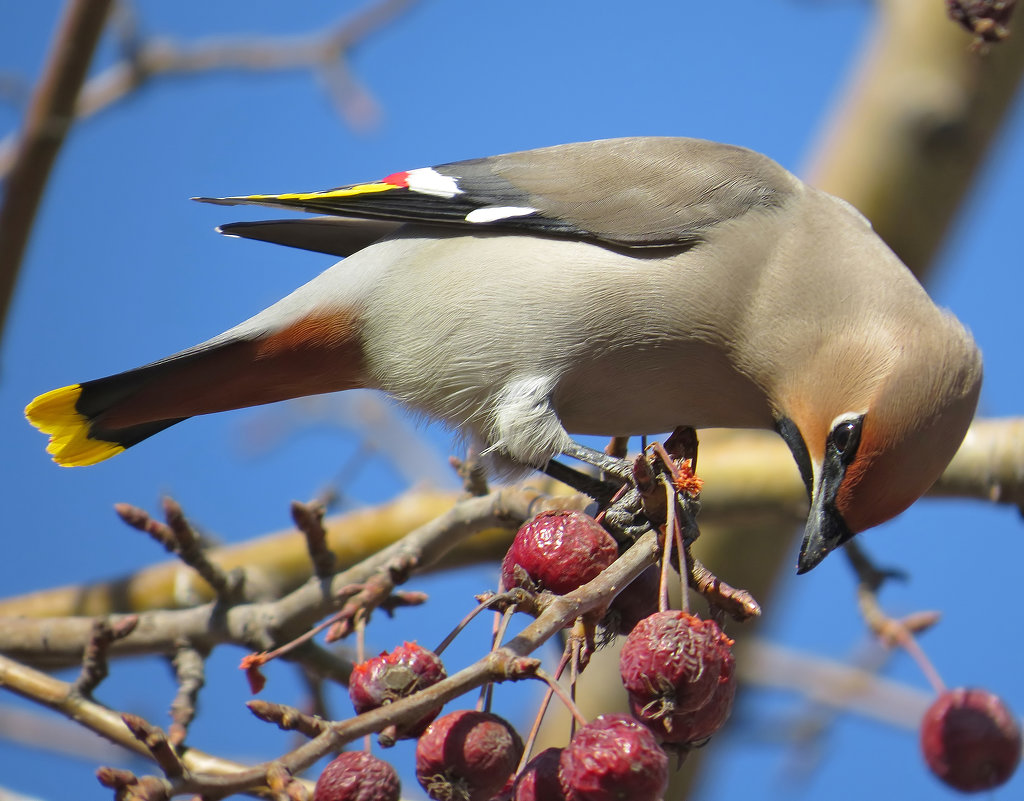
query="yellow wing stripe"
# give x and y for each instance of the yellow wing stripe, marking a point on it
(54, 413)
(345, 191)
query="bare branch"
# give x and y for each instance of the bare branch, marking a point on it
(322, 52)
(189, 669)
(309, 519)
(749, 475)
(102, 635)
(287, 718)
(178, 538)
(49, 117)
(262, 626)
(60, 696)
(156, 743)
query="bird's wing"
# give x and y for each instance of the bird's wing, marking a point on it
(633, 192)
(335, 236)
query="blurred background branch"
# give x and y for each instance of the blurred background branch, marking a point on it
(63, 96)
(47, 120)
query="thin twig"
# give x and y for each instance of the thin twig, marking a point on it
(94, 657)
(177, 537)
(472, 472)
(309, 519)
(287, 718)
(190, 671)
(156, 742)
(517, 598)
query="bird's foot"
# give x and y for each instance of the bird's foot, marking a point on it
(621, 469)
(631, 494)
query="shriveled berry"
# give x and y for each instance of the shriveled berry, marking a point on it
(393, 676)
(557, 552)
(539, 780)
(678, 671)
(357, 776)
(467, 756)
(971, 740)
(635, 602)
(613, 757)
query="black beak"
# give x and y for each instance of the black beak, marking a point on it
(826, 530)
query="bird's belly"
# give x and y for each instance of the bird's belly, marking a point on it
(631, 392)
(465, 328)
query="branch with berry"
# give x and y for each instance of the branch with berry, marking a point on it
(587, 579)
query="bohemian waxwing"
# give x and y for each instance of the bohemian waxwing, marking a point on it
(618, 287)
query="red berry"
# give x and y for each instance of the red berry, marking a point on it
(613, 757)
(467, 756)
(357, 776)
(390, 677)
(970, 740)
(635, 602)
(539, 780)
(678, 671)
(557, 552)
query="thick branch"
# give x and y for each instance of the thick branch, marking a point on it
(59, 696)
(915, 125)
(750, 477)
(262, 626)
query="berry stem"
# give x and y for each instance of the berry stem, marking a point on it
(574, 673)
(666, 556)
(913, 647)
(467, 620)
(500, 626)
(541, 712)
(570, 704)
(684, 567)
(360, 658)
(870, 579)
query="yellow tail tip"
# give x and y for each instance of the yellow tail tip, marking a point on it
(54, 413)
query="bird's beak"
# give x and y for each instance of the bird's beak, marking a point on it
(826, 530)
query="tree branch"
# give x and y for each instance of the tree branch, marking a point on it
(49, 118)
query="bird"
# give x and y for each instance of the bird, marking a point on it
(617, 287)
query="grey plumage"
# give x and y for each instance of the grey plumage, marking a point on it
(621, 287)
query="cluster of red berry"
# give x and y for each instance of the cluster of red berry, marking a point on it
(677, 669)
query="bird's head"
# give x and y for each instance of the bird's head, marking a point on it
(877, 425)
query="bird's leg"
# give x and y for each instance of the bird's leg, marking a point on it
(621, 469)
(621, 504)
(630, 500)
(601, 491)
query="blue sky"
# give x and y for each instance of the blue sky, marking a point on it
(124, 269)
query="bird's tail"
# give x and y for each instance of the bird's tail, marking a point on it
(75, 438)
(94, 420)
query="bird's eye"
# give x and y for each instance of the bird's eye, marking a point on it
(845, 438)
